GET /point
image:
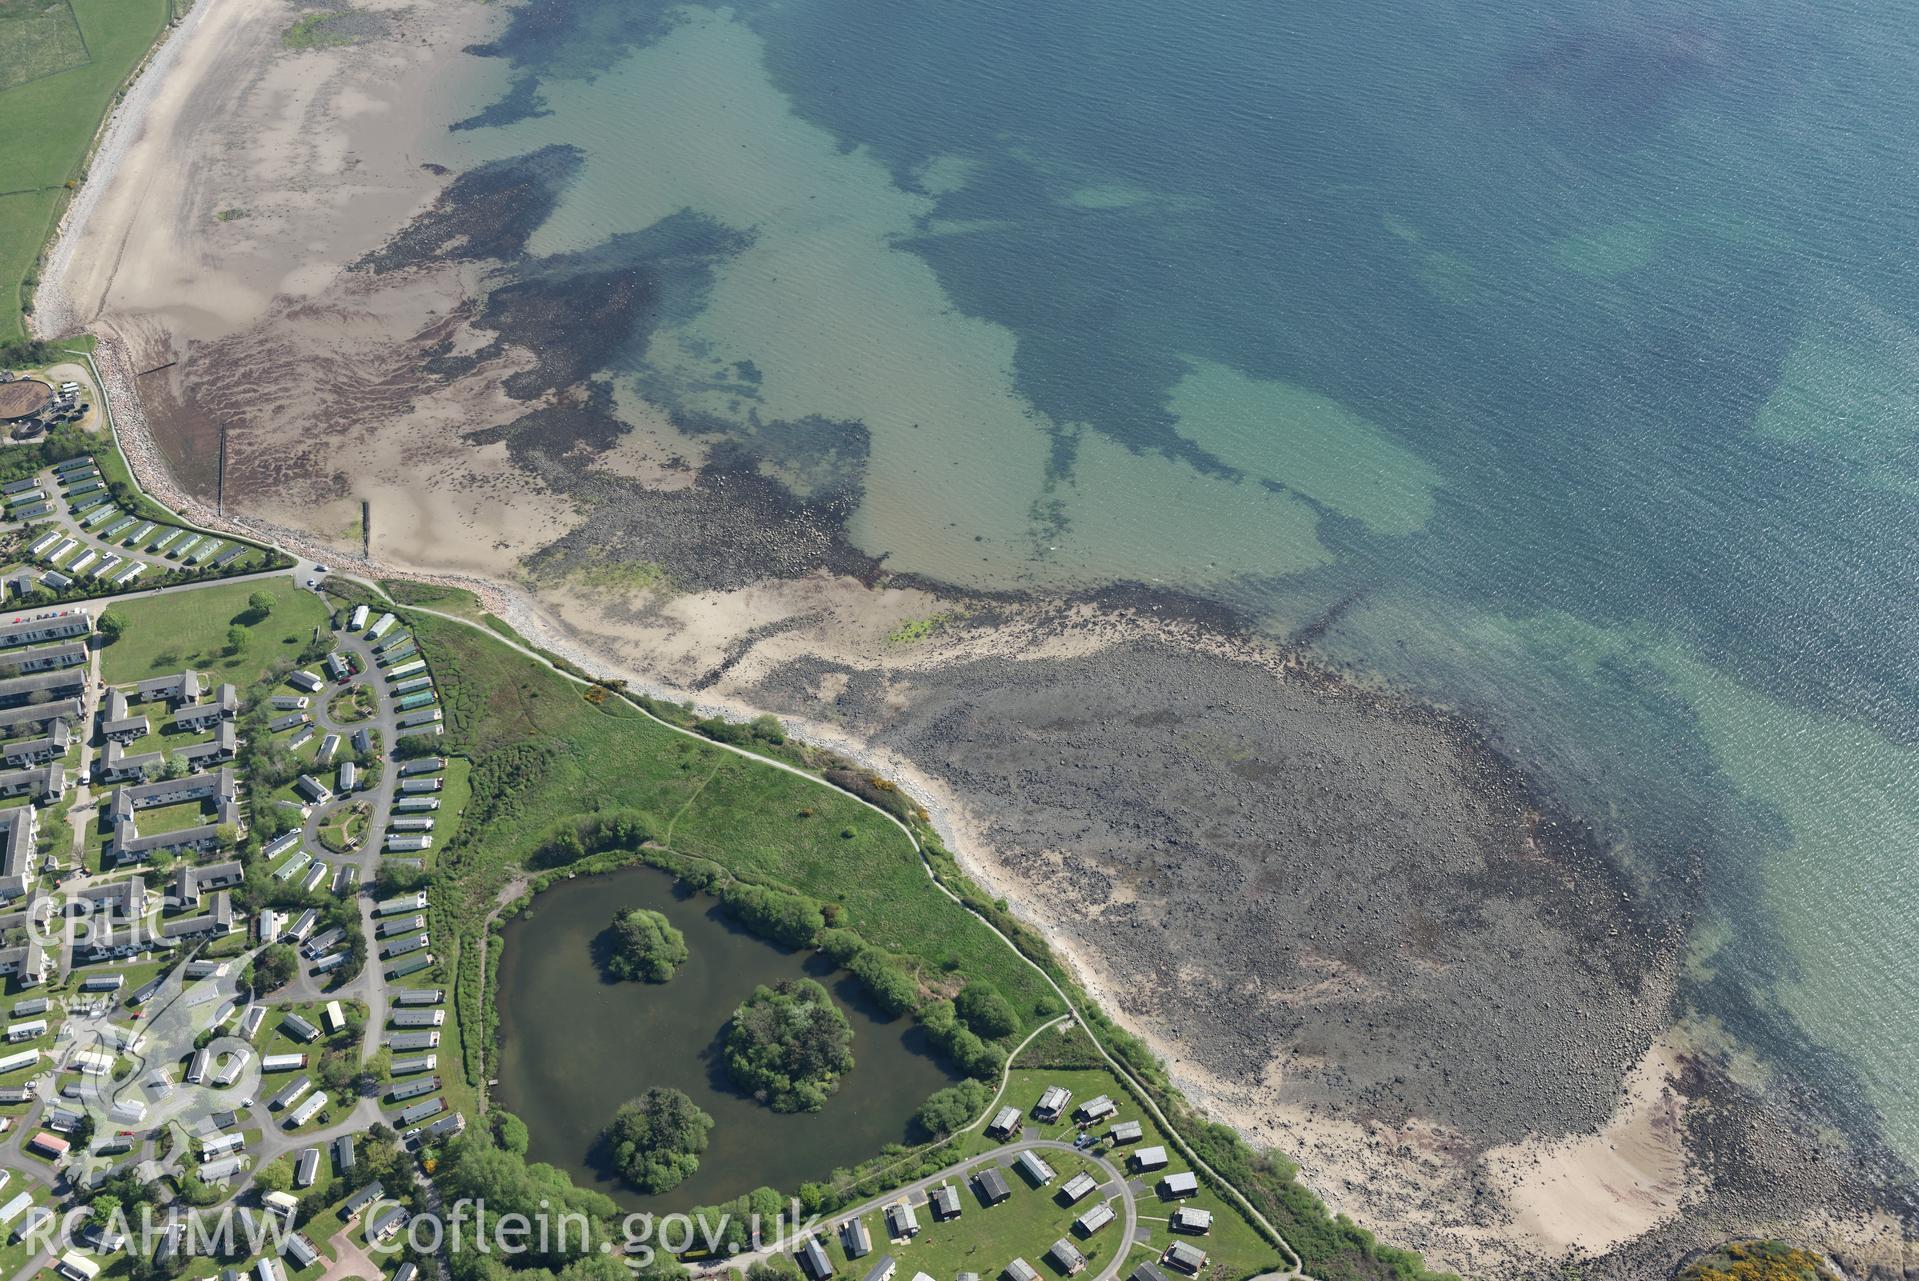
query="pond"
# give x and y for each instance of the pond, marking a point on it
(574, 1047)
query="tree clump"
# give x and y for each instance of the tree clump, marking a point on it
(644, 946)
(789, 1045)
(274, 966)
(952, 1109)
(656, 1140)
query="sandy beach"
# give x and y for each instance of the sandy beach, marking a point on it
(1409, 972)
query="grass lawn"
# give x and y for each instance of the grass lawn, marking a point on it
(351, 705)
(163, 633)
(47, 123)
(174, 818)
(985, 1239)
(344, 829)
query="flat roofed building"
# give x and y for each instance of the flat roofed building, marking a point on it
(1146, 1272)
(882, 1270)
(77, 1267)
(223, 1169)
(1152, 1158)
(308, 1168)
(301, 1113)
(1190, 1218)
(395, 926)
(289, 1093)
(412, 1089)
(1126, 1132)
(1020, 1270)
(1185, 1183)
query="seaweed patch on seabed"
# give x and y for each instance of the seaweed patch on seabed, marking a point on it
(487, 213)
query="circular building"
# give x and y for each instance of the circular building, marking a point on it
(23, 398)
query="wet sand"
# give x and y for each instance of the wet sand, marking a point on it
(1353, 929)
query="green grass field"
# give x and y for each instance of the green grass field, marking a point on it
(66, 68)
(190, 628)
(985, 1239)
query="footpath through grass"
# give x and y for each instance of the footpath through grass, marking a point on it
(70, 60)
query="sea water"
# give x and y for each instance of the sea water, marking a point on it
(1553, 361)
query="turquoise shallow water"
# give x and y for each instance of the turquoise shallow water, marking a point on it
(1567, 348)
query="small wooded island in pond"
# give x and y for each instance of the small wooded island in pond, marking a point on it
(643, 945)
(788, 1046)
(655, 1140)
